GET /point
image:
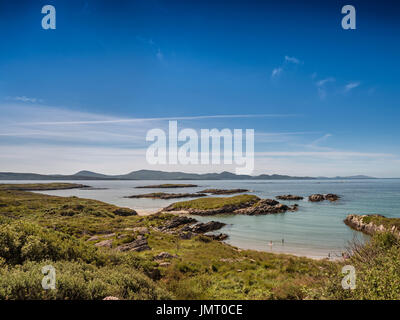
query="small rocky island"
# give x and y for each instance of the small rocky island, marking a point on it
(374, 223)
(289, 197)
(166, 196)
(168, 185)
(241, 204)
(223, 191)
(321, 197)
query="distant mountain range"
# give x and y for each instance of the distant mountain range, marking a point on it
(159, 175)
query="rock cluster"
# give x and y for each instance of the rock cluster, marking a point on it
(267, 206)
(321, 197)
(204, 227)
(187, 228)
(289, 197)
(139, 244)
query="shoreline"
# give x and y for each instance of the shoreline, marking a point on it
(239, 236)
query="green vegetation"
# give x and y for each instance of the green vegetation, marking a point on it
(41, 186)
(170, 185)
(377, 266)
(378, 220)
(38, 230)
(216, 203)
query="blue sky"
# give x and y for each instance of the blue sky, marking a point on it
(322, 100)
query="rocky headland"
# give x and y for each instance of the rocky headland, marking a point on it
(375, 223)
(242, 204)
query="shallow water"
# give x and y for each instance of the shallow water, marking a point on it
(315, 230)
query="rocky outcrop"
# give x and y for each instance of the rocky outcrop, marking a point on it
(223, 191)
(125, 212)
(164, 255)
(321, 197)
(204, 227)
(166, 196)
(368, 225)
(177, 222)
(187, 228)
(140, 244)
(104, 243)
(218, 237)
(289, 197)
(267, 206)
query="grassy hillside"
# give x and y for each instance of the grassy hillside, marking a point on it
(37, 230)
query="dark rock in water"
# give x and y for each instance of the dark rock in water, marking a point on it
(204, 227)
(289, 197)
(218, 237)
(316, 197)
(177, 222)
(125, 212)
(140, 244)
(321, 197)
(223, 191)
(331, 197)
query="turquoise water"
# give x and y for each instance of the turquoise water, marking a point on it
(315, 230)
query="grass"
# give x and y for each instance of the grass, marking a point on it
(378, 220)
(40, 186)
(216, 203)
(38, 230)
(169, 185)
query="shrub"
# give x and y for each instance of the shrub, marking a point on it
(77, 280)
(21, 241)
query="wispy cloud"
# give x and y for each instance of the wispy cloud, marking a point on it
(322, 82)
(351, 86)
(276, 72)
(292, 60)
(141, 120)
(25, 99)
(322, 86)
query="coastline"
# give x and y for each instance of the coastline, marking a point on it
(314, 231)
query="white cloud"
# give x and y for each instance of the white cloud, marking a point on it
(276, 72)
(322, 82)
(351, 85)
(25, 99)
(292, 60)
